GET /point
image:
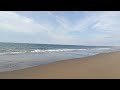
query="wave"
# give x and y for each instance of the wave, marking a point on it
(16, 52)
(39, 51)
(101, 48)
(11, 53)
(52, 50)
(64, 50)
(56, 50)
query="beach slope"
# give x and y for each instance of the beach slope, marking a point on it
(101, 66)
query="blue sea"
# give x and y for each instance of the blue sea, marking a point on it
(14, 56)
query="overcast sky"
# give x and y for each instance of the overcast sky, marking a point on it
(61, 27)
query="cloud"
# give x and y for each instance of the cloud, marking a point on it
(94, 28)
(12, 21)
(63, 22)
(108, 22)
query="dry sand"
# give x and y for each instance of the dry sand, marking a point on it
(101, 66)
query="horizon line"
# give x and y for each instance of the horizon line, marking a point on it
(53, 44)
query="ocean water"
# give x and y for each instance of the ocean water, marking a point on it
(14, 56)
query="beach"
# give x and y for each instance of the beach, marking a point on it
(59, 45)
(100, 66)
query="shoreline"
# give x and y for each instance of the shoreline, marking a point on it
(103, 65)
(57, 61)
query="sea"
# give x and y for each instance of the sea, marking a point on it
(15, 56)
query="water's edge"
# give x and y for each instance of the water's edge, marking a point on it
(59, 61)
(14, 56)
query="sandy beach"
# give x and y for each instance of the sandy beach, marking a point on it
(101, 66)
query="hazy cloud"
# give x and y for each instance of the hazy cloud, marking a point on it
(95, 28)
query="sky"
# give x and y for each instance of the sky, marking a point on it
(61, 27)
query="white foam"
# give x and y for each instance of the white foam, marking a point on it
(64, 50)
(101, 48)
(16, 52)
(56, 50)
(9, 53)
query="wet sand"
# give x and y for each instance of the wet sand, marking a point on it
(101, 66)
